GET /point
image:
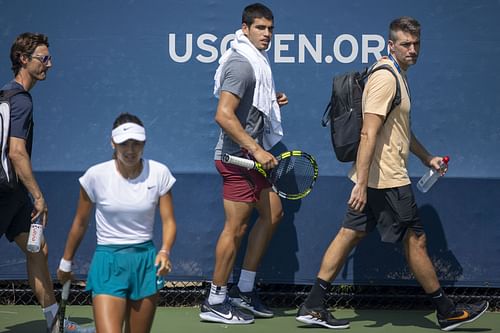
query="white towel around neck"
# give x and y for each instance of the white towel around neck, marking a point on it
(264, 96)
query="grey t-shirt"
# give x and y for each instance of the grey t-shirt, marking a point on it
(238, 78)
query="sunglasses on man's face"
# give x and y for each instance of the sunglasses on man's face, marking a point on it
(44, 59)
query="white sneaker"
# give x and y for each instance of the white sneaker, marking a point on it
(71, 327)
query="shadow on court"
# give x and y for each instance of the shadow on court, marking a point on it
(35, 325)
(395, 318)
(375, 319)
(392, 321)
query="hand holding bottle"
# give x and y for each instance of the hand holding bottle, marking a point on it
(35, 236)
(432, 175)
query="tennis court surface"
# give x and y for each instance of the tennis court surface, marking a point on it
(29, 319)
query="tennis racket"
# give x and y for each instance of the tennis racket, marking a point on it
(293, 177)
(62, 307)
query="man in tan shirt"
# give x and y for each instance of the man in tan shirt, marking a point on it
(382, 196)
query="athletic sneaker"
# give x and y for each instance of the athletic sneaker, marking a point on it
(320, 316)
(224, 313)
(249, 301)
(71, 327)
(464, 313)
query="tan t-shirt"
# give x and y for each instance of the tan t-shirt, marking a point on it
(390, 159)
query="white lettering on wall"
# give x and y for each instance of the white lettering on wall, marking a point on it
(280, 46)
(288, 48)
(212, 50)
(224, 44)
(366, 49)
(173, 52)
(315, 52)
(354, 48)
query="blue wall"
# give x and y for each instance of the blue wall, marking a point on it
(157, 59)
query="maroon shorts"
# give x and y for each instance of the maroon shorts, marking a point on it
(240, 184)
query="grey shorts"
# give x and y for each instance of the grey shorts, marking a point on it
(15, 217)
(393, 211)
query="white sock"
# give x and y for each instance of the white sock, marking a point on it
(50, 314)
(247, 280)
(217, 294)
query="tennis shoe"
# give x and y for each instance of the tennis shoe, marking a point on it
(71, 327)
(249, 301)
(224, 313)
(320, 317)
(463, 313)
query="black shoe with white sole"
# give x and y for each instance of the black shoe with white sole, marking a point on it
(249, 301)
(464, 313)
(321, 317)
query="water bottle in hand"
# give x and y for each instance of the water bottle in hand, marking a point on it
(35, 237)
(430, 177)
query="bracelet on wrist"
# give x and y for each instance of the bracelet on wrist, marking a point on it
(165, 251)
(65, 265)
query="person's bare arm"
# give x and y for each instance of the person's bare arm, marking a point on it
(76, 233)
(227, 120)
(372, 123)
(427, 159)
(22, 164)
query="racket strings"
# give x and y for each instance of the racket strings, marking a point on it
(294, 175)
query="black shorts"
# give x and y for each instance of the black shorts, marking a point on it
(393, 211)
(15, 213)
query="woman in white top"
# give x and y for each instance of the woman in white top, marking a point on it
(126, 270)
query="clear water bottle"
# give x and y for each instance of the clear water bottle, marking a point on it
(35, 237)
(430, 177)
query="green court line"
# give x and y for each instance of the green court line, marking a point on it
(29, 319)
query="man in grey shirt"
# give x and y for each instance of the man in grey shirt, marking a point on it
(239, 80)
(243, 131)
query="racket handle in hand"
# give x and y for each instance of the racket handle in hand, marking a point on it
(239, 161)
(62, 306)
(65, 290)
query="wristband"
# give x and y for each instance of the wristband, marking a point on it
(65, 265)
(165, 251)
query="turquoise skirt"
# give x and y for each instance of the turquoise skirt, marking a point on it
(125, 271)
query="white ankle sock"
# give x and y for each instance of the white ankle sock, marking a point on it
(217, 294)
(50, 313)
(247, 280)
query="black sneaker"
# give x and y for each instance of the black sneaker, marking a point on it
(249, 301)
(320, 316)
(224, 313)
(464, 313)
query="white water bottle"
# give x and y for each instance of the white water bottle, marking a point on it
(35, 237)
(431, 176)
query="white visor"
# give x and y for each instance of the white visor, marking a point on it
(128, 131)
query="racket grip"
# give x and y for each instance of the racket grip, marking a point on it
(65, 290)
(239, 161)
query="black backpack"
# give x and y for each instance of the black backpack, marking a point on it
(8, 177)
(344, 113)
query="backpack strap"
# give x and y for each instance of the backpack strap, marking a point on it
(325, 120)
(397, 98)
